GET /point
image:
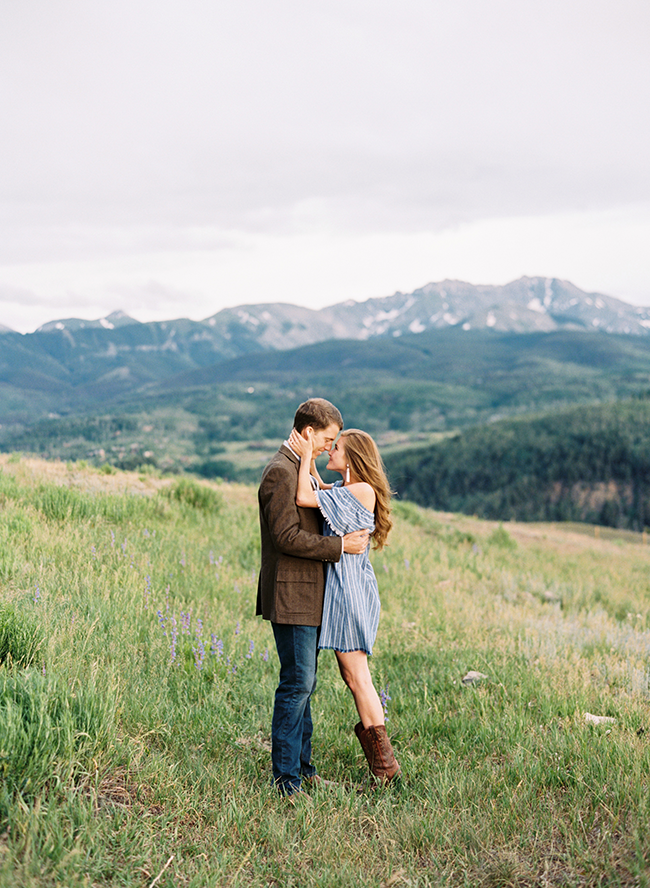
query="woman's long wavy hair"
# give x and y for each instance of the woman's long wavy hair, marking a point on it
(366, 464)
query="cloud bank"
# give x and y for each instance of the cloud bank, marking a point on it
(188, 156)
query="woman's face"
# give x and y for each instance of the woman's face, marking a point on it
(337, 461)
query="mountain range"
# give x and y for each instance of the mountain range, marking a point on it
(526, 305)
(441, 357)
(84, 360)
(450, 359)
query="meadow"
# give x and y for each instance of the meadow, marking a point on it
(136, 690)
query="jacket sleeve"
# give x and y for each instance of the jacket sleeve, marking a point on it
(277, 497)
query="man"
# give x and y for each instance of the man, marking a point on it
(291, 587)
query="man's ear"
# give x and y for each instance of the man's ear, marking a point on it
(305, 432)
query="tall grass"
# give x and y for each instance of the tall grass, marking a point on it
(20, 636)
(135, 730)
(48, 731)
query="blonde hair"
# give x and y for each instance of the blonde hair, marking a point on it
(366, 464)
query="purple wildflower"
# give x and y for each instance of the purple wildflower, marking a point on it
(161, 620)
(216, 648)
(174, 637)
(265, 655)
(186, 619)
(37, 593)
(112, 540)
(385, 698)
(93, 551)
(251, 648)
(199, 655)
(237, 628)
(407, 563)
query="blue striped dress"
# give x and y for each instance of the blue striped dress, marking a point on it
(351, 605)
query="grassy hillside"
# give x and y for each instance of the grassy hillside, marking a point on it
(136, 690)
(586, 464)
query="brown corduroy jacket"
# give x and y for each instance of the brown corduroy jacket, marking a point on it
(292, 576)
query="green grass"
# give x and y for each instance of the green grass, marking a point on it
(134, 734)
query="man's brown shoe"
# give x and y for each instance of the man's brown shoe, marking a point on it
(317, 780)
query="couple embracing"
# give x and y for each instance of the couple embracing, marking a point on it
(317, 586)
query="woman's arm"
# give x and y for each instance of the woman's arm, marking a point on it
(305, 495)
(304, 450)
(314, 472)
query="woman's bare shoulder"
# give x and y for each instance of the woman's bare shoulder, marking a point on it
(362, 491)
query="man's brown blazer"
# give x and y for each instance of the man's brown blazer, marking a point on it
(292, 576)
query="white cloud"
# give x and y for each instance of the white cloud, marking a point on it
(225, 150)
(604, 252)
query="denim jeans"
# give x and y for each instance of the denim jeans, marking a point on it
(292, 726)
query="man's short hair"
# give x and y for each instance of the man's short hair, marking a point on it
(318, 413)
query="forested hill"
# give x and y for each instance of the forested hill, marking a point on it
(587, 464)
(400, 390)
(71, 366)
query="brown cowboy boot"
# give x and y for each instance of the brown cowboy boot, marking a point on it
(378, 751)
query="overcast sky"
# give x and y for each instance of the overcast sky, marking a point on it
(174, 157)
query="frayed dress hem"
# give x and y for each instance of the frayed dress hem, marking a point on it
(329, 647)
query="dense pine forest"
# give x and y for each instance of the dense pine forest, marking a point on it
(588, 464)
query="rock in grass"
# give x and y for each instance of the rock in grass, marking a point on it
(473, 677)
(551, 597)
(599, 719)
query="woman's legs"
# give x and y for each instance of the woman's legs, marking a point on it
(371, 730)
(353, 666)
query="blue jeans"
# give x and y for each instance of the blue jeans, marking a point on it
(291, 728)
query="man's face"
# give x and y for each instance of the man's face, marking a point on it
(323, 438)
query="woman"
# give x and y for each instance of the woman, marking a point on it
(351, 606)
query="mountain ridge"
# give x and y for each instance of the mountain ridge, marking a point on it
(523, 305)
(73, 365)
(114, 319)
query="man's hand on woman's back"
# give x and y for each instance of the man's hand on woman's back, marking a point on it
(356, 542)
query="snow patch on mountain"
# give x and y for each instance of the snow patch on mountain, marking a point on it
(247, 318)
(536, 305)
